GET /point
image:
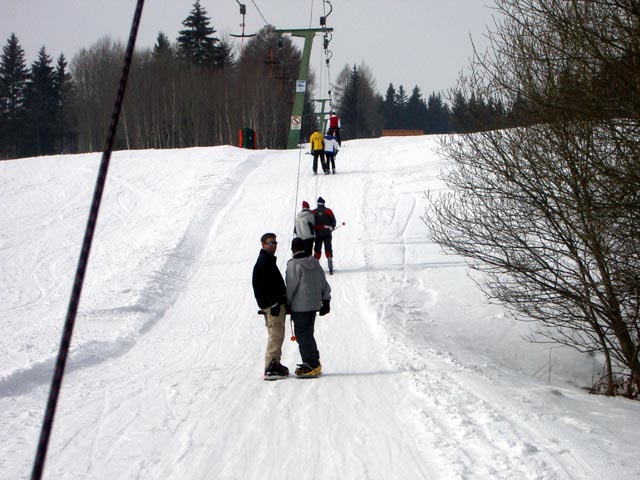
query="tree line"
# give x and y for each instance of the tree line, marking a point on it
(191, 92)
(365, 113)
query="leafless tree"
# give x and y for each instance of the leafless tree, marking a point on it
(96, 71)
(550, 211)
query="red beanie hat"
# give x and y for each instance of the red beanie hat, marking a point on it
(305, 204)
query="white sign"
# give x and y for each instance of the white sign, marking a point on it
(296, 122)
(301, 86)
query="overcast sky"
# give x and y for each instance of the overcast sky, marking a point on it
(405, 42)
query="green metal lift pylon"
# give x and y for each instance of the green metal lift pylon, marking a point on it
(301, 84)
(322, 116)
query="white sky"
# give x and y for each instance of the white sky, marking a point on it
(404, 42)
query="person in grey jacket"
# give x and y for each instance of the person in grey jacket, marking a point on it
(308, 292)
(305, 227)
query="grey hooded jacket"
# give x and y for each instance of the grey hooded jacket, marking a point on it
(307, 285)
(305, 224)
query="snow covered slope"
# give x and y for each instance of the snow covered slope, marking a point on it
(423, 379)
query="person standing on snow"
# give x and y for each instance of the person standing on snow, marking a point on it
(305, 227)
(271, 295)
(334, 126)
(307, 293)
(317, 150)
(325, 222)
(330, 152)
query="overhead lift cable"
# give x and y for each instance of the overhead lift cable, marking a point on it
(45, 434)
(265, 20)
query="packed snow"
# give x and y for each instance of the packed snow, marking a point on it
(423, 378)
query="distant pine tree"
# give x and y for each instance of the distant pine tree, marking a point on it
(359, 108)
(65, 123)
(438, 115)
(401, 107)
(196, 41)
(390, 109)
(162, 49)
(349, 106)
(40, 103)
(13, 85)
(416, 111)
(459, 120)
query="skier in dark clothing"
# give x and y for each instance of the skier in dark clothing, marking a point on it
(325, 222)
(271, 295)
(307, 293)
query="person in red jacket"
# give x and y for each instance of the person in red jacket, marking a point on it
(325, 222)
(334, 126)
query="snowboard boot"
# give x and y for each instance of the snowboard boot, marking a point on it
(305, 370)
(330, 262)
(275, 371)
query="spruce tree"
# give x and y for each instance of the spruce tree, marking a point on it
(349, 106)
(13, 84)
(40, 102)
(65, 129)
(401, 97)
(162, 49)
(459, 113)
(416, 111)
(401, 107)
(437, 115)
(360, 109)
(196, 41)
(390, 109)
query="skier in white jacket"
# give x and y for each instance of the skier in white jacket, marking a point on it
(331, 148)
(305, 227)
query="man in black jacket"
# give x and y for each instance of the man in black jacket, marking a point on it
(271, 295)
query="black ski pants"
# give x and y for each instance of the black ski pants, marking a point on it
(308, 246)
(316, 154)
(304, 324)
(330, 161)
(328, 247)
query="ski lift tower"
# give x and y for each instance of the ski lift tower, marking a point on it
(301, 83)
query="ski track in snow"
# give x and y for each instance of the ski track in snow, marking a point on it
(177, 393)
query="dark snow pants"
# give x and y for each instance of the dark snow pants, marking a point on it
(304, 324)
(308, 246)
(316, 154)
(330, 160)
(328, 247)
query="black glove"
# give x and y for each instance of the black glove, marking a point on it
(275, 310)
(325, 308)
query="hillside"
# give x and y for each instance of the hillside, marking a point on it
(423, 378)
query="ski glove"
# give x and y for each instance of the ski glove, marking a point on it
(275, 310)
(325, 308)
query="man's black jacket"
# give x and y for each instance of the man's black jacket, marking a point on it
(268, 284)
